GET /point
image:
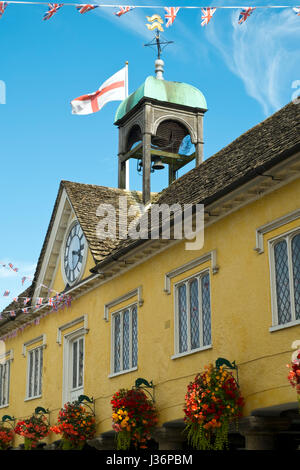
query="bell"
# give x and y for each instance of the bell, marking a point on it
(157, 164)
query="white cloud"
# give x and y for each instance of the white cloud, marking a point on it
(263, 52)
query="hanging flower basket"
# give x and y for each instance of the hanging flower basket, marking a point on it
(134, 417)
(76, 425)
(33, 429)
(294, 374)
(212, 402)
(6, 437)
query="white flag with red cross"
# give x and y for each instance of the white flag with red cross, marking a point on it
(113, 89)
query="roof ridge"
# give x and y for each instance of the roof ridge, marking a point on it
(105, 187)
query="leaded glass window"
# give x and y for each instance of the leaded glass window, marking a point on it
(77, 348)
(125, 341)
(286, 253)
(4, 383)
(193, 313)
(35, 370)
(296, 273)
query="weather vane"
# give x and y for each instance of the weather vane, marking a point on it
(157, 42)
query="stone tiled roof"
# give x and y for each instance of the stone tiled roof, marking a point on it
(251, 154)
(85, 199)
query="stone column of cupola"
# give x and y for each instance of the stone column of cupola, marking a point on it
(122, 167)
(199, 145)
(146, 167)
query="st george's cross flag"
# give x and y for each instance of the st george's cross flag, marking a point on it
(171, 13)
(113, 89)
(245, 13)
(207, 14)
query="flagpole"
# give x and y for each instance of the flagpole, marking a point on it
(126, 96)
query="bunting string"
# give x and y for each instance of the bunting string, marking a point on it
(60, 302)
(170, 16)
(102, 5)
(170, 12)
(55, 301)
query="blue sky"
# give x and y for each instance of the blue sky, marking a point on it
(245, 72)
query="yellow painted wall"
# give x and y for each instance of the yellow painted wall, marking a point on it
(241, 318)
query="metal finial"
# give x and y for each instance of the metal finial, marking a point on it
(159, 69)
(159, 45)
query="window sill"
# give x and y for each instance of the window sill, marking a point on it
(193, 351)
(115, 374)
(284, 325)
(4, 406)
(33, 398)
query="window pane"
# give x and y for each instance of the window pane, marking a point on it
(117, 343)
(134, 337)
(8, 381)
(41, 371)
(36, 362)
(81, 353)
(1, 384)
(194, 314)
(126, 340)
(296, 273)
(75, 362)
(182, 318)
(30, 375)
(282, 282)
(206, 316)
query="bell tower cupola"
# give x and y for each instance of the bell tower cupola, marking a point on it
(153, 122)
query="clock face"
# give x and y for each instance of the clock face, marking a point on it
(74, 253)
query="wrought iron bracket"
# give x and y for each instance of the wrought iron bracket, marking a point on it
(87, 402)
(221, 361)
(9, 420)
(39, 410)
(143, 384)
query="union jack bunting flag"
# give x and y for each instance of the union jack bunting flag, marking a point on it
(16, 299)
(10, 265)
(207, 14)
(12, 313)
(245, 13)
(26, 300)
(53, 8)
(84, 8)
(50, 301)
(39, 300)
(297, 10)
(171, 15)
(6, 293)
(3, 5)
(25, 310)
(122, 11)
(23, 279)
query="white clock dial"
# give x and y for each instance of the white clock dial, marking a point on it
(74, 254)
